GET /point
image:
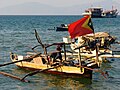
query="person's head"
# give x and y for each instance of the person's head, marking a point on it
(58, 47)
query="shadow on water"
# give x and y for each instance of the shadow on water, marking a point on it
(50, 81)
(58, 82)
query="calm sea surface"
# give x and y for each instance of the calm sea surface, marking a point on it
(17, 35)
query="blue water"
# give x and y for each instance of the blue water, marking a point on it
(17, 35)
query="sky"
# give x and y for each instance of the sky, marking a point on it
(59, 3)
(8, 5)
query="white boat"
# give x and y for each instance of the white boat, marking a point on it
(98, 12)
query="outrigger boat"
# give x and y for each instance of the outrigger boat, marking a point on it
(52, 64)
(66, 69)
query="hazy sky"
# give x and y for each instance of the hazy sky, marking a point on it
(4, 3)
(59, 6)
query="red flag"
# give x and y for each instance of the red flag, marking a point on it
(81, 27)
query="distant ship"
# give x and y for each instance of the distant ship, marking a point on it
(98, 12)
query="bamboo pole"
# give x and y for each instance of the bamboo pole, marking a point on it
(80, 63)
(64, 51)
(27, 59)
(79, 56)
(97, 59)
(12, 76)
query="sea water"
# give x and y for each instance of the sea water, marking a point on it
(17, 36)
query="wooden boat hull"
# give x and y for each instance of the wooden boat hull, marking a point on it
(63, 74)
(67, 71)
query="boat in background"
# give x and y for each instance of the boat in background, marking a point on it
(63, 27)
(98, 12)
(110, 13)
(95, 12)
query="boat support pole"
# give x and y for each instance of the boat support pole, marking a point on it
(97, 59)
(64, 52)
(79, 56)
